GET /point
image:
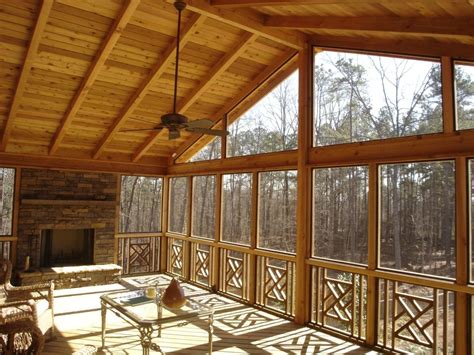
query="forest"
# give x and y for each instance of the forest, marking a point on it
(357, 98)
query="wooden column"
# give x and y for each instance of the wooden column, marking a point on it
(187, 244)
(118, 192)
(164, 225)
(217, 235)
(371, 325)
(15, 218)
(461, 318)
(447, 81)
(253, 241)
(303, 219)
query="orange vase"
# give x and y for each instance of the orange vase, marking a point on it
(173, 296)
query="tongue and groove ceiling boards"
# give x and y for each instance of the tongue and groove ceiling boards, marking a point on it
(75, 74)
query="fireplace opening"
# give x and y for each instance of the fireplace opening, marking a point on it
(67, 247)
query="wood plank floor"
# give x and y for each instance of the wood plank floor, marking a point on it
(238, 329)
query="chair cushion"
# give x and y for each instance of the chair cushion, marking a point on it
(12, 313)
(41, 306)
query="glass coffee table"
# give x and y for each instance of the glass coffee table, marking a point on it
(149, 315)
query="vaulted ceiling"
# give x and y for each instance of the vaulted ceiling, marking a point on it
(76, 74)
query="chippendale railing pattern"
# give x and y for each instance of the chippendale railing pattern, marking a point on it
(276, 284)
(234, 271)
(175, 256)
(415, 318)
(139, 254)
(201, 263)
(339, 301)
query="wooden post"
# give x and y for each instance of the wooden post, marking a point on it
(217, 235)
(371, 325)
(447, 81)
(303, 220)
(224, 139)
(15, 218)
(461, 319)
(186, 243)
(252, 285)
(164, 225)
(118, 192)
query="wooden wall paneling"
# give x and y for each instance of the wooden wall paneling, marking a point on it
(32, 52)
(92, 73)
(447, 84)
(371, 320)
(248, 21)
(461, 319)
(165, 61)
(221, 66)
(164, 225)
(253, 283)
(303, 208)
(186, 150)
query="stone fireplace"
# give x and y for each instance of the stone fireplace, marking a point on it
(57, 204)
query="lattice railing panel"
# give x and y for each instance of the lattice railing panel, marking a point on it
(415, 318)
(201, 263)
(176, 256)
(139, 254)
(339, 301)
(275, 284)
(234, 277)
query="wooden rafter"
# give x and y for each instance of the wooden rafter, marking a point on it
(419, 25)
(255, 3)
(46, 6)
(180, 154)
(249, 21)
(222, 65)
(103, 53)
(193, 23)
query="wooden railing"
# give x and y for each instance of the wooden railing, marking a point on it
(234, 270)
(138, 253)
(201, 263)
(176, 258)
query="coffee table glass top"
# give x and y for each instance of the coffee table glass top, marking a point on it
(135, 305)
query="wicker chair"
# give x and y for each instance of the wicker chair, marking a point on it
(39, 299)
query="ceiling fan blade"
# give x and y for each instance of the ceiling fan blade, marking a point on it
(213, 132)
(203, 123)
(173, 134)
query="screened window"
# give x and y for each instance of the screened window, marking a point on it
(140, 204)
(7, 191)
(236, 208)
(269, 126)
(340, 213)
(277, 210)
(204, 206)
(210, 151)
(178, 211)
(464, 80)
(360, 97)
(417, 206)
(471, 209)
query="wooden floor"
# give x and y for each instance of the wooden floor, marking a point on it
(238, 329)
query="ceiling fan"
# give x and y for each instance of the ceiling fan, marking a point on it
(175, 121)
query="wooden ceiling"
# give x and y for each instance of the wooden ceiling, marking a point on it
(76, 73)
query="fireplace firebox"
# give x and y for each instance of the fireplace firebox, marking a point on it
(67, 247)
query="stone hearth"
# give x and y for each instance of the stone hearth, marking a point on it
(53, 199)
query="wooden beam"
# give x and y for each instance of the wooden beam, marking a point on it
(46, 6)
(419, 25)
(261, 162)
(55, 162)
(165, 60)
(431, 47)
(447, 86)
(256, 3)
(102, 54)
(247, 20)
(222, 65)
(182, 153)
